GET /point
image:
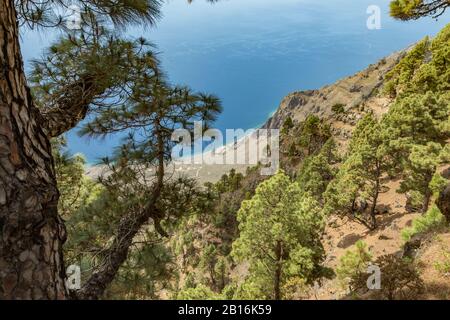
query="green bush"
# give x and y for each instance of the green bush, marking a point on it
(431, 220)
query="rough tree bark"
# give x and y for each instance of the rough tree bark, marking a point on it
(31, 232)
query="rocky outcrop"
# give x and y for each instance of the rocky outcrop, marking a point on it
(342, 102)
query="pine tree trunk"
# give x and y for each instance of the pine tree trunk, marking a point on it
(277, 282)
(31, 232)
(373, 218)
(443, 202)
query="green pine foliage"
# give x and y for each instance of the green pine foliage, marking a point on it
(420, 171)
(76, 189)
(304, 139)
(314, 132)
(91, 213)
(47, 13)
(353, 264)
(200, 292)
(279, 238)
(417, 119)
(288, 124)
(415, 9)
(423, 69)
(338, 108)
(360, 176)
(204, 239)
(398, 79)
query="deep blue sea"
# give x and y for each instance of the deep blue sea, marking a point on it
(252, 53)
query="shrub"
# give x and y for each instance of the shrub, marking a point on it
(353, 264)
(200, 292)
(338, 108)
(431, 220)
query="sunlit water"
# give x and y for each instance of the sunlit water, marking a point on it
(252, 53)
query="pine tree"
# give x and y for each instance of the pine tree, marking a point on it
(415, 9)
(30, 123)
(342, 193)
(288, 124)
(353, 264)
(417, 119)
(279, 237)
(314, 132)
